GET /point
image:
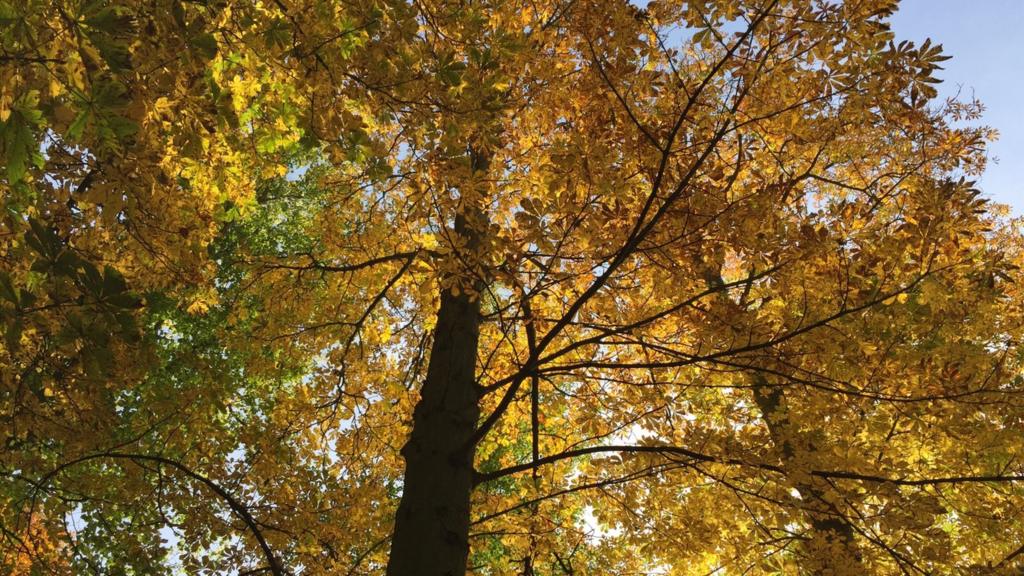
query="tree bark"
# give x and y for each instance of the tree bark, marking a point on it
(832, 534)
(431, 534)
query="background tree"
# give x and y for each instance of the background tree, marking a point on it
(574, 287)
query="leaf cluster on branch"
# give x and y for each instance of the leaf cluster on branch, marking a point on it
(499, 287)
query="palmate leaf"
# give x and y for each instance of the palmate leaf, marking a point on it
(20, 145)
(559, 287)
(110, 30)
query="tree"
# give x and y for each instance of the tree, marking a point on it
(574, 287)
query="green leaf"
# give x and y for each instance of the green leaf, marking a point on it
(42, 239)
(278, 34)
(26, 299)
(125, 300)
(113, 52)
(7, 290)
(8, 15)
(20, 147)
(78, 125)
(42, 266)
(113, 282)
(91, 278)
(66, 263)
(110, 20)
(13, 334)
(109, 29)
(205, 44)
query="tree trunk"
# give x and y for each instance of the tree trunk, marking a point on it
(833, 538)
(431, 535)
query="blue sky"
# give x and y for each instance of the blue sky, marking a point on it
(986, 40)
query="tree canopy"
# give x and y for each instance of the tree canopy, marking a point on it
(499, 287)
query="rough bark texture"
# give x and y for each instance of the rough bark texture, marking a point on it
(832, 534)
(431, 536)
